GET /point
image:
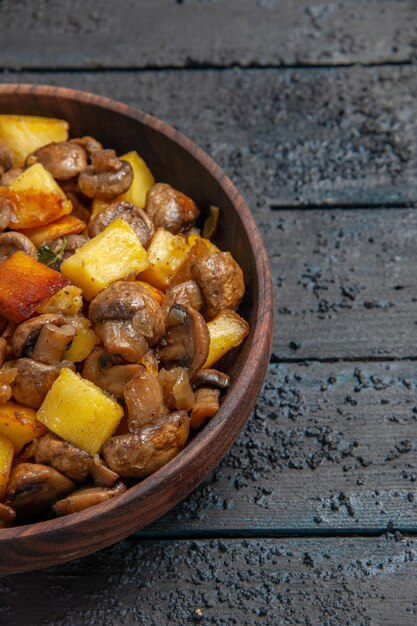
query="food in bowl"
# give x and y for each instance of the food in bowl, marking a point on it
(114, 308)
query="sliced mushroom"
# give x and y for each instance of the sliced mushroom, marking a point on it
(32, 487)
(137, 218)
(11, 242)
(63, 159)
(27, 333)
(86, 497)
(206, 405)
(63, 456)
(102, 475)
(144, 400)
(211, 377)
(34, 380)
(108, 371)
(187, 339)
(107, 177)
(170, 208)
(10, 176)
(187, 294)
(221, 280)
(6, 158)
(7, 515)
(176, 389)
(127, 319)
(139, 454)
(52, 342)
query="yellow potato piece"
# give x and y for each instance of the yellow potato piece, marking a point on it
(166, 253)
(227, 330)
(36, 199)
(68, 301)
(84, 341)
(79, 412)
(6, 459)
(112, 255)
(142, 180)
(19, 424)
(24, 134)
(193, 238)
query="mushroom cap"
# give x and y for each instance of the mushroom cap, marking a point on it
(32, 487)
(108, 371)
(27, 333)
(170, 208)
(34, 380)
(139, 454)
(64, 159)
(86, 497)
(220, 279)
(186, 341)
(133, 215)
(11, 242)
(63, 456)
(107, 177)
(144, 400)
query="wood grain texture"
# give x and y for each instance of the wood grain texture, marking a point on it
(176, 160)
(330, 448)
(285, 137)
(90, 34)
(269, 582)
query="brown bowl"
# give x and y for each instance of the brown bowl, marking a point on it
(176, 160)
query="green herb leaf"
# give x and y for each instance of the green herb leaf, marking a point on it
(49, 257)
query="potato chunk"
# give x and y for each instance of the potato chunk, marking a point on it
(35, 199)
(24, 134)
(6, 459)
(62, 227)
(142, 180)
(112, 255)
(19, 424)
(227, 330)
(165, 255)
(25, 283)
(79, 412)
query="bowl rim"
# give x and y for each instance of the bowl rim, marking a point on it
(257, 361)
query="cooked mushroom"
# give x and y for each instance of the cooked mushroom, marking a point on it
(88, 143)
(6, 158)
(170, 208)
(79, 209)
(107, 177)
(127, 319)
(34, 380)
(52, 342)
(27, 333)
(102, 475)
(211, 377)
(176, 389)
(63, 159)
(187, 294)
(137, 218)
(10, 176)
(221, 281)
(186, 342)
(63, 456)
(11, 242)
(144, 400)
(86, 497)
(109, 371)
(7, 515)
(32, 487)
(206, 405)
(139, 454)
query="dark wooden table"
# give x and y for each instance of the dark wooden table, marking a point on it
(311, 108)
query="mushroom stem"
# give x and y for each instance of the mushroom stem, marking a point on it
(52, 342)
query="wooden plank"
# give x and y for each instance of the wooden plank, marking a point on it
(345, 281)
(157, 33)
(330, 448)
(269, 582)
(286, 137)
